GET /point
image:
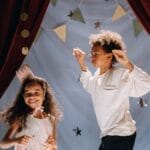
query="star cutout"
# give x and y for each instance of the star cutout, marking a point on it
(142, 103)
(97, 24)
(71, 14)
(77, 131)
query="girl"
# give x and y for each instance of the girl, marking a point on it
(32, 118)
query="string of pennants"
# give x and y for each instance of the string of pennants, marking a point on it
(119, 12)
(76, 15)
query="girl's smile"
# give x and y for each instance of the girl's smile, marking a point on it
(34, 95)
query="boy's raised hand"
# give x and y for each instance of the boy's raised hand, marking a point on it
(122, 58)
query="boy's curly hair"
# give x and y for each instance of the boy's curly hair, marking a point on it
(108, 40)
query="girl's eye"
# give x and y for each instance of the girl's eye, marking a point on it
(27, 95)
(36, 94)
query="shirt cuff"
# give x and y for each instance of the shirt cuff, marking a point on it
(85, 73)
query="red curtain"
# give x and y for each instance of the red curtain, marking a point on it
(142, 11)
(20, 21)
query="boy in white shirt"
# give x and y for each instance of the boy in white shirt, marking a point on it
(111, 87)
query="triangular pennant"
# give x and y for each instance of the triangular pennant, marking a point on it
(61, 32)
(137, 27)
(77, 15)
(54, 2)
(119, 12)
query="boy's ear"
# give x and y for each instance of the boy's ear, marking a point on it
(109, 56)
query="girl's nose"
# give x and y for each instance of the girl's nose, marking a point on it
(31, 97)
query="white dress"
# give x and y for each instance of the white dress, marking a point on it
(39, 130)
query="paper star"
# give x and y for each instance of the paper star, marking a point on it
(78, 131)
(71, 14)
(97, 24)
(142, 103)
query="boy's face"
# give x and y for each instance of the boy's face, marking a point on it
(99, 57)
(34, 95)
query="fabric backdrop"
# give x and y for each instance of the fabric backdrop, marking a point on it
(51, 58)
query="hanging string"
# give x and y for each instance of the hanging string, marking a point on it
(80, 3)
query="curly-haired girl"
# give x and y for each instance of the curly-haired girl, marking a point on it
(33, 117)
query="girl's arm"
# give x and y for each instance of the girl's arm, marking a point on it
(52, 139)
(9, 140)
(55, 129)
(24, 72)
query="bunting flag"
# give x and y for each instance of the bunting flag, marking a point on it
(76, 15)
(61, 32)
(54, 2)
(137, 27)
(119, 12)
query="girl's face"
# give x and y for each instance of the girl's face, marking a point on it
(34, 95)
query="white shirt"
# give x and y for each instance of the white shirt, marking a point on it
(110, 94)
(39, 130)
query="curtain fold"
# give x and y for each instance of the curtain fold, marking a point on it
(142, 11)
(20, 21)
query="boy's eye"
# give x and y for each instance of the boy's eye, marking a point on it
(95, 53)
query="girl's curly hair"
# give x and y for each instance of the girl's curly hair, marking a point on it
(19, 111)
